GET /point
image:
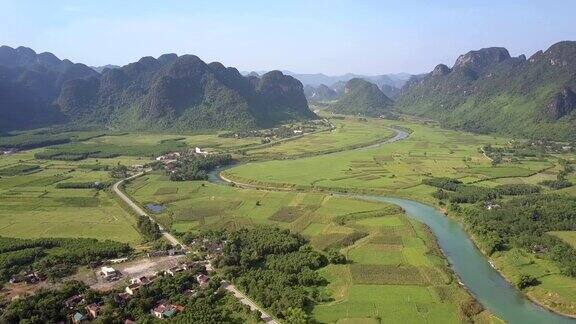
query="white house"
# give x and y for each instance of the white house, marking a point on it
(108, 272)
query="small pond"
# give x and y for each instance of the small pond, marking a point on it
(155, 208)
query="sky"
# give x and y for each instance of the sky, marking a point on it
(314, 36)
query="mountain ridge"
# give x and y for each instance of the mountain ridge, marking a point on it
(363, 98)
(180, 93)
(489, 91)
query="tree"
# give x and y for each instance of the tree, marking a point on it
(526, 281)
(336, 257)
(119, 171)
(295, 316)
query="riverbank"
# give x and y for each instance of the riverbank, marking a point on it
(494, 262)
(534, 307)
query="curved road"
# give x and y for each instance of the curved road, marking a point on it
(174, 241)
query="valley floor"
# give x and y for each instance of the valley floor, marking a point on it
(397, 272)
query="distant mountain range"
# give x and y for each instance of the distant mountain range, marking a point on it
(489, 91)
(316, 79)
(390, 84)
(485, 91)
(180, 93)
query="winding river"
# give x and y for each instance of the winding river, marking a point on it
(473, 269)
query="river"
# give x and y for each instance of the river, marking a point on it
(469, 264)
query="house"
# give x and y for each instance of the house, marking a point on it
(166, 310)
(188, 265)
(168, 157)
(208, 266)
(79, 318)
(73, 301)
(26, 277)
(31, 278)
(298, 131)
(109, 272)
(140, 280)
(122, 298)
(214, 248)
(132, 289)
(119, 260)
(173, 271)
(93, 309)
(202, 279)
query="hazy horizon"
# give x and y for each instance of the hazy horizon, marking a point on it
(328, 37)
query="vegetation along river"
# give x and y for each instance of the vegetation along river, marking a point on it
(473, 269)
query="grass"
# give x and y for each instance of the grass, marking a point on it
(166, 191)
(290, 213)
(348, 133)
(397, 170)
(567, 236)
(555, 290)
(389, 254)
(19, 169)
(386, 275)
(395, 274)
(393, 168)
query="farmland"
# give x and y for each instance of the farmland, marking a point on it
(398, 169)
(348, 133)
(389, 254)
(395, 269)
(31, 206)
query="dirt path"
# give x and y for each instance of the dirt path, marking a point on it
(172, 239)
(116, 188)
(247, 301)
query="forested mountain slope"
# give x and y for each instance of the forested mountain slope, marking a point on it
(490, 91)
(362, 98)
(169, 93)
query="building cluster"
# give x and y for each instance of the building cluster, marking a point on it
(169, 160)
(169, 252)
(213, 249)
(28, 277)
(162, 309)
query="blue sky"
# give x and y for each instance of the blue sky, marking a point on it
(332, 37)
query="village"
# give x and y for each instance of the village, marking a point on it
(283, 132)
(123, 279)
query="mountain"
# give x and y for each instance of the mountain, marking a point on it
(99, 69)
(362, 98)
(183, 93)
(316, 79)
(320, 93)
(489, 91)
(168, 93)
(29, 82)
(388, 83)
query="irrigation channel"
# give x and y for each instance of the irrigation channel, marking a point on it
(469, 264)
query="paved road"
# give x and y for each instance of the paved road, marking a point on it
(172, 239)
(247, 301)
